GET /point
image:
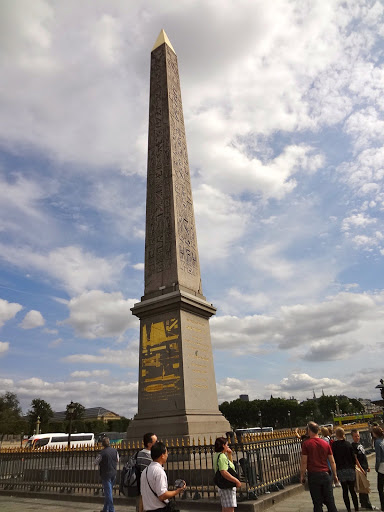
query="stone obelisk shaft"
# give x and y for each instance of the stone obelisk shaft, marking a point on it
(171, 255)
(177, 388)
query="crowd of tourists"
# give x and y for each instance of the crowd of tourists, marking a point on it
(327, 461)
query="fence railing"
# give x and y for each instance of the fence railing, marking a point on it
(263, 465)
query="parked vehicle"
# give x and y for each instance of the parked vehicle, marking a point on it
(60, 440)
(115, 438)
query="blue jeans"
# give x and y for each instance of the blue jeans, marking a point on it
(108, 484)
(320, 487)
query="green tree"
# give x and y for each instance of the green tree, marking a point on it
(78, 412)
(40, 408)
(120, 425)
(10, 415)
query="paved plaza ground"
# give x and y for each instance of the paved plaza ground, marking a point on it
(299, 501)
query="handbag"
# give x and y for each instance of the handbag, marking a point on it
(171, 505)
(361, 482)
(220, 481)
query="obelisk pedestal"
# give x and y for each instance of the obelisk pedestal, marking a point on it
(177, 388)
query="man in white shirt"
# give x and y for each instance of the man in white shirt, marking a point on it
(154, 482)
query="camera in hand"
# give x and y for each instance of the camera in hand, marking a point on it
(179, 483)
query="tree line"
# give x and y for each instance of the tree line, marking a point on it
(286, 413)
(13, 422)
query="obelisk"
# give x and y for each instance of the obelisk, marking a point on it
(177, 388)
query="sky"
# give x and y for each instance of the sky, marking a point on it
(284, 113)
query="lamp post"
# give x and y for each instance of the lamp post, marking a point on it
(38, 425)
(21, 438)
(70, 410)
(260, 420)
(289, 420)
(312, 416)
(381, 387)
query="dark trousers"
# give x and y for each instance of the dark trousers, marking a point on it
(364, 501)
(320, 487)
(349, 485)
(380, 488)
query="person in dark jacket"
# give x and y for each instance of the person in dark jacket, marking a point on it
(358, 450)
(378, 436)
(107, 460)
(345, 464)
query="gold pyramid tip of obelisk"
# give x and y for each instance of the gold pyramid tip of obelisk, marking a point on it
(163, 38)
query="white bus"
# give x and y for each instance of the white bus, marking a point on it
(60, 440)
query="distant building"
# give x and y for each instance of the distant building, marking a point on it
(370, 406)
(244, 398)
(91, 414)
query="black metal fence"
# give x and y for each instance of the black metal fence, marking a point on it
(263, 466)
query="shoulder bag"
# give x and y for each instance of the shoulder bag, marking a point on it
(171, 505)
(220, 481)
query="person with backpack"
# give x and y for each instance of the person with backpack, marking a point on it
(143, 460)
(107, 461)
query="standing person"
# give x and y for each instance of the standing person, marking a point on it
(222, 460)
(345, 464)
(377, 434)
(358, 450)
(143, 460)
(315, 453)
(154, 482)
(107, 460)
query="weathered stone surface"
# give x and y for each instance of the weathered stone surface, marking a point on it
(177, 388)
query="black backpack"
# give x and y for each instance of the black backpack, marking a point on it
(130, 478)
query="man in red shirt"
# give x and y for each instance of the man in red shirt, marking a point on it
(315, 453)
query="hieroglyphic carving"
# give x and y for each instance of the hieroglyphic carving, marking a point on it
(171, 244)
(187, 244)
(159, 230)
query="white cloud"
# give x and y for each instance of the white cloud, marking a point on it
(302, 382)
(81, 374)
(32, 319)
(311, 326)
(73, 268)
(359, 220)
(56, 342)
(8, 310)
(116, 395)
(219, 218)
(128, 357)
(4, 347)
(97, 314)
(138, 266)
(50, 331)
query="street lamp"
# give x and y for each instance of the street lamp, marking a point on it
(381, 387)
(260, 420)
(21, 438)
(289, 419)
(38, 425)
(311, 415)
(70, 410)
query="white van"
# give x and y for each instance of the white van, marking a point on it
(60, 440)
